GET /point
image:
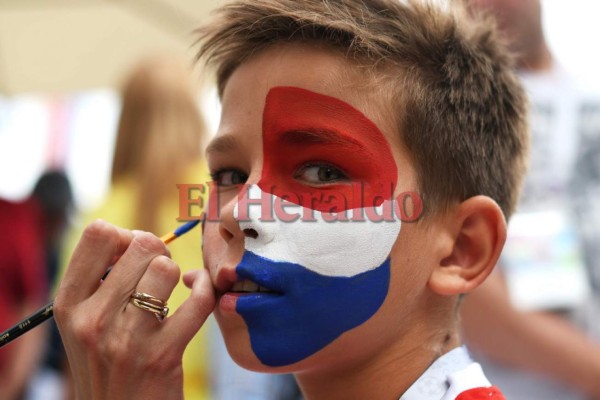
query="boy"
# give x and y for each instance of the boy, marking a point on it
(367, 157)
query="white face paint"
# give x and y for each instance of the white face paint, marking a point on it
(330, 248)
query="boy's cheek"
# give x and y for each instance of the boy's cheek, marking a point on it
(412, 257)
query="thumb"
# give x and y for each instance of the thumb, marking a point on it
(190, 277)
(190, 316)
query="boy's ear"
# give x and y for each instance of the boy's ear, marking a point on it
(477, 232)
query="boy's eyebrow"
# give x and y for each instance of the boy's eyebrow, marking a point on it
(222, 144)
(320, 136)
(228, 143)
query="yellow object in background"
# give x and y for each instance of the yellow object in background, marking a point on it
(118, 209)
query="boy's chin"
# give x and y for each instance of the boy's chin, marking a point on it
(237, 340)
(240, 350)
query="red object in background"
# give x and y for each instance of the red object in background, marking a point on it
(23, 274)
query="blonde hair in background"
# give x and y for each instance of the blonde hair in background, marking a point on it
(160, 133)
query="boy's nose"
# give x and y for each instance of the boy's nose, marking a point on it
(256, 226)
(228, 224)
(259, 231)
(250, 233)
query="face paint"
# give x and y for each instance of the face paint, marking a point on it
(326, 277)
(300, 126)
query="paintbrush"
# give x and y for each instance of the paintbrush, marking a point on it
(46, 312)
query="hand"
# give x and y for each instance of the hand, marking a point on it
(115, 349)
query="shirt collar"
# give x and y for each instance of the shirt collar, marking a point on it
(434, 383)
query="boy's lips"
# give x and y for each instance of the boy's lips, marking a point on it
(228, 281)
(248, 286)
(230, 286)
(226, 278)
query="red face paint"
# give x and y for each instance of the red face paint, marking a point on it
(302, 128)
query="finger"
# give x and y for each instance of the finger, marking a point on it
(190, 316)
(160, 279)
(189, 277)
(99, 244)
(127, 272)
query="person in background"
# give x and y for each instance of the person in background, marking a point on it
(54, 191)
(55, 195)
(521, 322)
(31, 233)
(159, 145)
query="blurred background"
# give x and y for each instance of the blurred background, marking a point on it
(61, 63)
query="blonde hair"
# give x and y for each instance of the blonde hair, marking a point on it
(458, 106)
(160, 133)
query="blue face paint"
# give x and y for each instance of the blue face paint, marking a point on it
(308, 310)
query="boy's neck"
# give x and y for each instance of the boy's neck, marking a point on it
(386, 376)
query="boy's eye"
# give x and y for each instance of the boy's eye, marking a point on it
(320, 174)
(229, 177)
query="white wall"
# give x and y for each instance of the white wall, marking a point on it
(573, 32)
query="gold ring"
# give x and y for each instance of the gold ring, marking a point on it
(150, 303)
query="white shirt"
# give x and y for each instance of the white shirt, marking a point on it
(448, 376)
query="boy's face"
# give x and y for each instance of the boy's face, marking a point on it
(307, 271)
